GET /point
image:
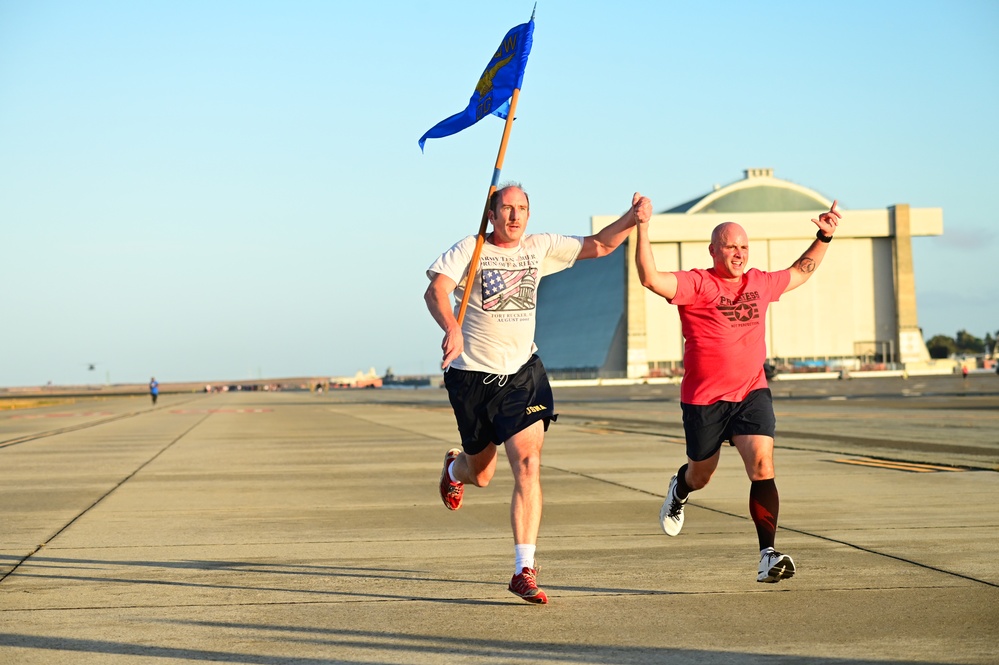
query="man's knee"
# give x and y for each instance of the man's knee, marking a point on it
(526, 467)
(762, 469)
(758, 456)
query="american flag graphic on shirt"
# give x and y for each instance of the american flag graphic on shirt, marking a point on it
(509, 289)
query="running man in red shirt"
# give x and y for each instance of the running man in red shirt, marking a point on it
(724, 394)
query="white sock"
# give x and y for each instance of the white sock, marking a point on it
(766, 550)
(524, 557)
(450, 472)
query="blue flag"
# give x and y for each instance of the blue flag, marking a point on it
(503, 74)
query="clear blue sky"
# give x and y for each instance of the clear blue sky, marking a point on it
(229, 190)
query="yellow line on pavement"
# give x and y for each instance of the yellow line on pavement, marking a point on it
(914, 467)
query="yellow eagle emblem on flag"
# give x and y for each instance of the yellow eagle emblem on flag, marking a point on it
(485, 84)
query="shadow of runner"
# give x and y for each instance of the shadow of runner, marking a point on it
(361, 647)
(39, 568)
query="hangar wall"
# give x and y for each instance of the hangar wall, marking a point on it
(597, 320)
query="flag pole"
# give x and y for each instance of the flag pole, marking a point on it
(481, 238)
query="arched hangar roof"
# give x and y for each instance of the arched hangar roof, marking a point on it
(758, 191)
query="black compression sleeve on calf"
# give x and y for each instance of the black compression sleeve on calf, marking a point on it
(764, 505)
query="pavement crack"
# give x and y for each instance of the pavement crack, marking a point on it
(106, 494)
(800, 532)
(87, 425)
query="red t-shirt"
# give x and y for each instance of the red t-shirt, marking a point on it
(724, 325)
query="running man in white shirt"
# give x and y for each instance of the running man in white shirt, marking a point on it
(497, 385)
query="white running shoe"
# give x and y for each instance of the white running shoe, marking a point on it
(774, 567)
(671, 514)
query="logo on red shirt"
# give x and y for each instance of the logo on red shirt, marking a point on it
(738, 310)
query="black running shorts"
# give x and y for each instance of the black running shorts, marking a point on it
(708, 427)
(491, 408)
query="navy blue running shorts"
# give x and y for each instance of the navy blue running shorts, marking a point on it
(491, 408)
(708, 427)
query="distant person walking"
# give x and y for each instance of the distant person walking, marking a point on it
(154, 389)
(498, 388)
(724, 394)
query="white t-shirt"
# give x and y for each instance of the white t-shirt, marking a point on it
(499, 321)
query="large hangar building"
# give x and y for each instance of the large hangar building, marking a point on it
(858, 312)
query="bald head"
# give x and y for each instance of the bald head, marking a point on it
(730, 250)
(724, 230)
(494, 200)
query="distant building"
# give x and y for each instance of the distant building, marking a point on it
(857, 311)
(359, 380)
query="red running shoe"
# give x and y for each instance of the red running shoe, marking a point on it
(525, 585)
(451, 493)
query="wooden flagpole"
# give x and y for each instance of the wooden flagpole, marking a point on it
(481, 239)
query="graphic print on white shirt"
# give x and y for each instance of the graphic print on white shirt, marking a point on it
(509, 290)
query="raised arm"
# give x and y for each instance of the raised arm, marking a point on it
(661, 283)
(438, 299)
(607, 239)
(803, 268)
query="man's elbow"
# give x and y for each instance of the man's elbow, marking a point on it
(429, 296)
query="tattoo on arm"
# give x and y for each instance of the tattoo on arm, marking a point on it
(805, 265)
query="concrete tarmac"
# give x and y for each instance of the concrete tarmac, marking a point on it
(279, 528)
